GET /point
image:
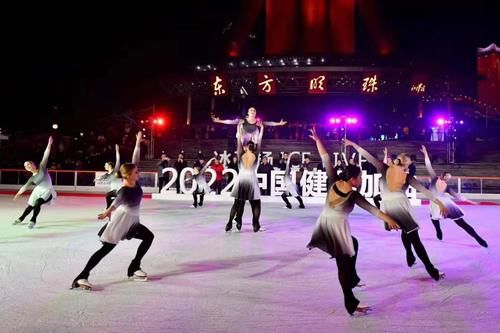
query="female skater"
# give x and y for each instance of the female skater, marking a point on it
(201, 184)
(42, 193)
(250, 128)
(291, 188)
(110, 176)
(395, 181)
(439, 187)
(124, 223)
(247, 185)
(332, 232)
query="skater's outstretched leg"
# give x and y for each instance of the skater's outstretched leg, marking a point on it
(202, 196)
(414, 238)
(26, 212)
(94, 260)
(470, 230)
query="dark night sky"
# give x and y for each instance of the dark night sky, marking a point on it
(89, 61)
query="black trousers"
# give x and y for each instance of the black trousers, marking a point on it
(217, 186)
(36, 209)
(237, 209)
(284, 196)
(110, 197)
(195, 198)
(139, 232)
(376, 200)
(413, 239)
(348, 277)
(462, 224)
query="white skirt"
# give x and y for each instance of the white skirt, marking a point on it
(397, 206)
(332, 234)
(454, 212)
(122, 219)
(42, 192)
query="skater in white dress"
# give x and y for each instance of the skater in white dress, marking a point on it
(42, 193)
(439, 187)
(124, 223)
(332, 233)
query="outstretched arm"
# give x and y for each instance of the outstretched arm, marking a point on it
(23, 189)
(46, 154)
(428, 194)
(428, 164)
(363, 203)
(379, 165)
(386, 160)
(117, 159)
(274, 123)
(136, 156)
(325, 158)
(227, 122)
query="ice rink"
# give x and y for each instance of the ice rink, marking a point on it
(205, 280)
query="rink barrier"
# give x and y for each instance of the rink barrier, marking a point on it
(84, 181)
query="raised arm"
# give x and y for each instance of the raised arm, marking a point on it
(363, 203)
(205, 167)
(239, 146)
(325, 157)
(259, 138)
(386, 160)
(117, 159)
(46, 154)
(428, 164)
(227, 122)
(379, 165)
(136, 156)
(274, 123)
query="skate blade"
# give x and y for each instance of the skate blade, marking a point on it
(138, 279)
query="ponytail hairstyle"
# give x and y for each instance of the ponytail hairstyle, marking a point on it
(125, 170)
(351, 171)
(402, 160)
(251, 146)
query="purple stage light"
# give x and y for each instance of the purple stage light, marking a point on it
(461, 122)
(332, 120)
(354, 120)
(440, 121)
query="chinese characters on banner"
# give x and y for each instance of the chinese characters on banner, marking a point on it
(317, 83)
(219, 85)
(266, 83)
(418, 88)
(370, 84)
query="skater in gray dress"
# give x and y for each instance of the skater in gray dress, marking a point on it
(247, 185)
(124, 224)
(42, 193)
(395, 181)
(439, 186)
(332, 233)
